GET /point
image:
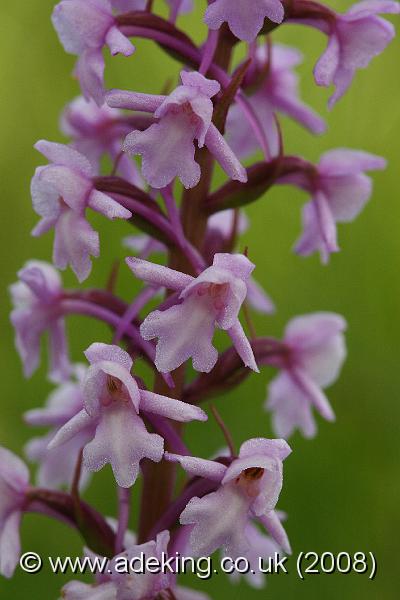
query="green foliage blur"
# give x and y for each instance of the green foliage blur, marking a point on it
(341, 489)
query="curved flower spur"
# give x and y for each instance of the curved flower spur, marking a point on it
(214, 112)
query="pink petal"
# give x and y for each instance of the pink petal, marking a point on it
(238, 264)
(325, 69)
(94, 385)
(258, 298)
(343, 161)
(100, 352)
(208, 87)
(243, 347)
(82, 24)
(167, 151)
(90, 72)
(170, 408)
(314, 393)
(245, 20)
(177, 344)
(60, 367)
(121, 439)
(290, 408)
(74, 426)
(55, 183)
(13, 470)
(278, 449)
(273, 525)
(217, 145)
(66, 156)
(10, 545)
(107, 206)
(199, 467)
(219, 521)
(318, 343)
(158, 275)
(118, 43)
(74, 242)
(134, 100)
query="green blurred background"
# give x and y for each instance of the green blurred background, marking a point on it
(341, 490)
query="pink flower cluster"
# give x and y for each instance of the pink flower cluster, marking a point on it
(164, 149)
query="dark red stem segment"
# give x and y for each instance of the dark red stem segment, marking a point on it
(96, 532)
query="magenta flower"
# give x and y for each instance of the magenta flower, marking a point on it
(167, 147)
(249, 488)
(354, 39)
(278, 92)
(339, 190)
(14, 483)
(213, 299)
(84, 27)
(36, 297)
(61, 193)
(57, 466)
(112, 400)
(314, 351)
(244, 17)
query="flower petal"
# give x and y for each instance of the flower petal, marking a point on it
(170, 408)
(121, 439)
(199, 467)
(158, 275)
(219, 521)
(10, 545)
(274, 526)
(107, 206)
